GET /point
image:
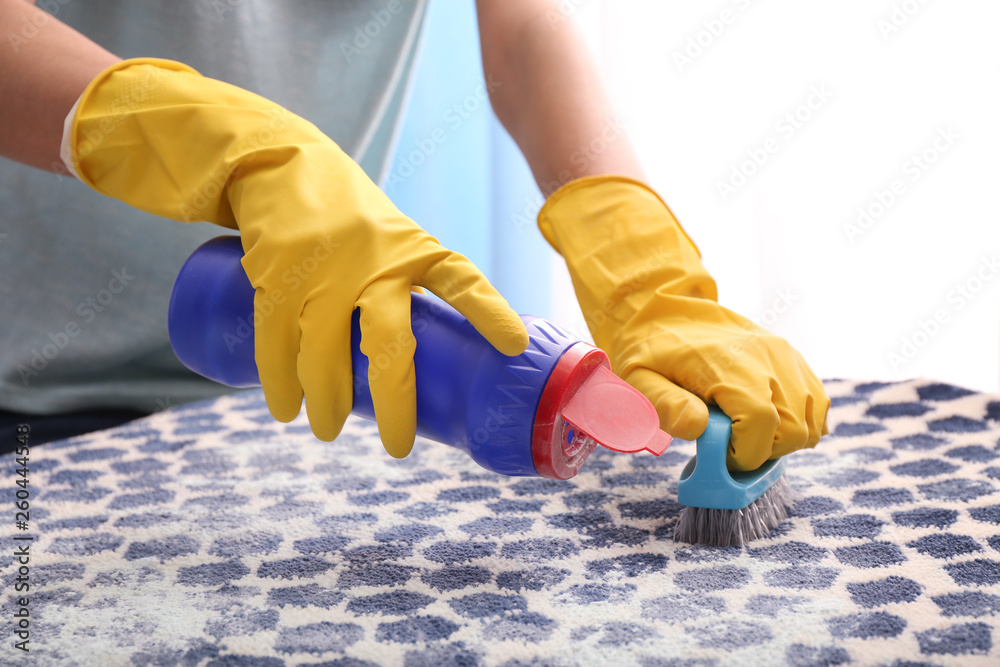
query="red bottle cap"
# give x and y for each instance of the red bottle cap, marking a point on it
(584, 405)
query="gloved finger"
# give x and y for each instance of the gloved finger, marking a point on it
(755, 424)
(457, 280)
(388, 342)
(822, 414)
(803, 415)
(325, 368)
(818, 425)
(682, 414)
(276, 347)
(792, 433)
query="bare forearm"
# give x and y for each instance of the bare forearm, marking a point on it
(551, 99)
(45, 66)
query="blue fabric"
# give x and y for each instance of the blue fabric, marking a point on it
(457, 172)
(212, 535)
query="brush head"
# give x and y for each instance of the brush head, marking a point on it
(724, 528)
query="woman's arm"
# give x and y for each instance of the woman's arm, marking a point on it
(551, 99)
(45, 67)
(647, 298)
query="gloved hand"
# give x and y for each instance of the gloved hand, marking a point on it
(320, 238)
(652, 307)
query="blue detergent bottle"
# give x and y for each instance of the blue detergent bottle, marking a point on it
(540, 413)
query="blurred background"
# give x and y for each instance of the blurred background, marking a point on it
(836, 163)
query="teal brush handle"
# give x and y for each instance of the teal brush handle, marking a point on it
(705, 480)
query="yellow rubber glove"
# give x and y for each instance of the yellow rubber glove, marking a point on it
(651, 305)
(320, 238)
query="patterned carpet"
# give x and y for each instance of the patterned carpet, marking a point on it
(212, 535)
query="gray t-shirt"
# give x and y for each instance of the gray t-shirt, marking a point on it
(85, 280)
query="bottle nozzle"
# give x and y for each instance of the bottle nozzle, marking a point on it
(584, 405)
(615, 415)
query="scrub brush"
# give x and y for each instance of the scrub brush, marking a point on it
(725, 508)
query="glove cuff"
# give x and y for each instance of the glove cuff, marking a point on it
(624, 250)
(161, 137)
(72, 151)
(547, 221)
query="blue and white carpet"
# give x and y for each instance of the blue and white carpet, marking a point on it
(210, 535)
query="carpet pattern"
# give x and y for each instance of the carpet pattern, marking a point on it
(210, 535)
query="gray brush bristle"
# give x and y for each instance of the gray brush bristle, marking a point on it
(723, 528)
